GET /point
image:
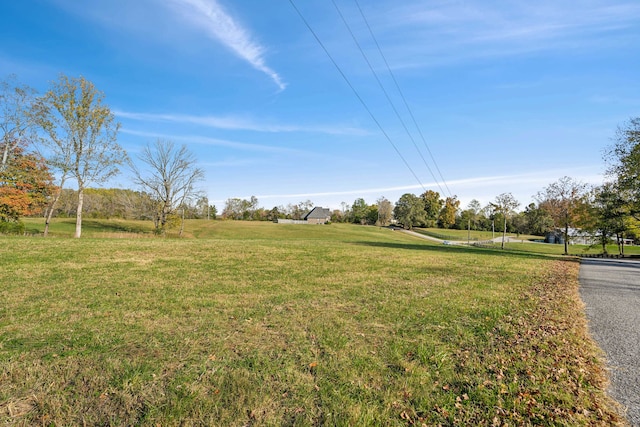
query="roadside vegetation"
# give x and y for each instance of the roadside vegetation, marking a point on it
(522, 242)
(255, 323)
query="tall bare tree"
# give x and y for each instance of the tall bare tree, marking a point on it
(82, 134)
(564, 201)
(169, 175)
(17, 121)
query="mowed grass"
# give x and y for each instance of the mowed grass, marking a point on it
(266, 324)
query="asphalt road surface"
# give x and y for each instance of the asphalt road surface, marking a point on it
(610, 289)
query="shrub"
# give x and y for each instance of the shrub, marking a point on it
(12, 227)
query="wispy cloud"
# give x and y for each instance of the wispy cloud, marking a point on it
(502, 28)
(219, 25)
(236, 123)
(213, 141)
(494, 185)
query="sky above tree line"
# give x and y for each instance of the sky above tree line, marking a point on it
(291, 100)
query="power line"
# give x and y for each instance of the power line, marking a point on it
(355, 92)
(402, 96)
(386, 94)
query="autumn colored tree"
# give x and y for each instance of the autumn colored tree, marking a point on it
(564, 201)
(25, 184)
(447, 216)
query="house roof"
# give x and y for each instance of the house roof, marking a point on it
(318, 213)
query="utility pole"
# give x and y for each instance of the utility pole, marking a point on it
(504, 232)
(469, 231)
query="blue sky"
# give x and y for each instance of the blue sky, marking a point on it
(508, 95)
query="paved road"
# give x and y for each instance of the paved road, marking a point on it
(610, 289)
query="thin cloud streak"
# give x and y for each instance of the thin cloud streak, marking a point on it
(505, 29)
(213, 19)
(213, 141)
(236, 123)
(541, 179)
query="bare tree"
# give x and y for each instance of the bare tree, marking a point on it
(170, 176)
(505, 204)
(81, 134)
(563, 200)
(17, 120)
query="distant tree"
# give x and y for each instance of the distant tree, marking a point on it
(409, 210)
(385, 212)
(465, 220)
(359, 211)
(274, 214)
(433, 205)
(517, 223)
(25, 184)
(623, 158)
(232, 208)
(299, 210)
(537, 220)
(169, 175)
(447, 216)
(607, 214)
(505, 204)
(564, 201)
(249, 208)
(17, 118)
(202, 207)
(241, 209)
(372, 215)
(474, 206)
(488, 218)
(469, 218)
(81, 133)
(337, 215)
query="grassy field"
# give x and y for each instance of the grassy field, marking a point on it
(252, 324)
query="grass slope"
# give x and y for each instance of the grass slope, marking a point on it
(266, 324)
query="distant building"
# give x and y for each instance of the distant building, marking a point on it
(318, 215)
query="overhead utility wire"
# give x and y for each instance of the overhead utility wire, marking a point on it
(386, 94)
(403, 97)
(355, 92)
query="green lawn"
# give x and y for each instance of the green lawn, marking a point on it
(252, 323)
